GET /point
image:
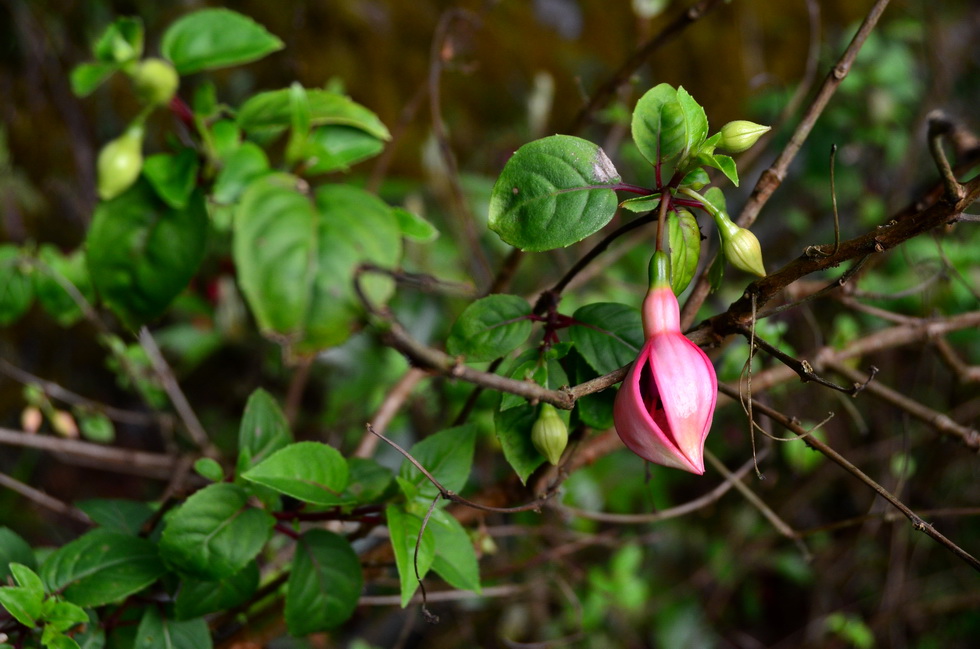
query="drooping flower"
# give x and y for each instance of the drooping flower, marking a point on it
(664, 408)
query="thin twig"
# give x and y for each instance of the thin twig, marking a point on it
(969, 437)
(773, 177)
(109, 458)
(392, 403)
(43, 499)
(176, 394)
(673, 512)
(917, 522)
(535, 505)
(939, 125)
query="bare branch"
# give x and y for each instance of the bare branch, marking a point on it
(43, 499)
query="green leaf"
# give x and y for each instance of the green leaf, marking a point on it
(403, 529)
(270, 112)
(216, 38)
(121, 42)
(607, 335)
(490, 327)
(242, 166)
(215, 533)
(717, 270)
(552, 193)
(102, 567)
(53, 639)
(173, 177)
(117, 515)
(310, 471)
(63, 615)
(354, 228)
(658, 126)
(196, 598)
(641, 203)
(141, 253)
(85, 78)
(695, 179)
(685, 249)
(157, 632)
(723, 163)
(91, 636)
(28, 579)
(16, 288)
(54, 273)
(13, 549)
(209, 469)
(368, 481)
(594, 410)
(264, 430)
(535, 370)
(21, 603)
(695, 125)
(273, 245)
(447, 455)
(296, 263)
(414, 226)
(299, 121)
(324, 583)
(96, 427)
(455, 559)
(335, 147)
(716, 197)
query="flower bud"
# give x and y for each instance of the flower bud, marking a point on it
(156, 81)
(30, 419)
(549, 433)
(120, 162)
(740, 246)
(740, 135)
(64, 424)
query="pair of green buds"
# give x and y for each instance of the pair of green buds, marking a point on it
(121, 160)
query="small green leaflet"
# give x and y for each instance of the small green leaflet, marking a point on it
(490, 327)
(215, 38)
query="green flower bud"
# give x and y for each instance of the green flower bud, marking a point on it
(156, 81)
(549, 433)
(740, 246)
(120, 162)
(740, 135)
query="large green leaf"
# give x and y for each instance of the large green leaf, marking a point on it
(668, 127)
(403, 528)
(158, 632)
(455, 558)
(447, 455)
(274, 244)
(490, 327)
(16, 289)
(354, 227)
(552, 193)
(102, 567)
(264, 430)
(270, 112)
(324, 583)
(215, 533)
(216, 38)
(117, 514)
(607, 335)
(142, 253)
(196, 598)
(310, 471)
(296, 262)
(14, 549)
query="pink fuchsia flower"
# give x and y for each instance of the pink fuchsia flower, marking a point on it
(664, 408)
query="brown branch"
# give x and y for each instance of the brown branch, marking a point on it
(964, 373)
(917, 522)
(622, 75)
(43, 499)
(389, 408)
(969, 437)
(773, 177)
(159, 466)
(673, 512)
(193, 425)
(60, 393)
